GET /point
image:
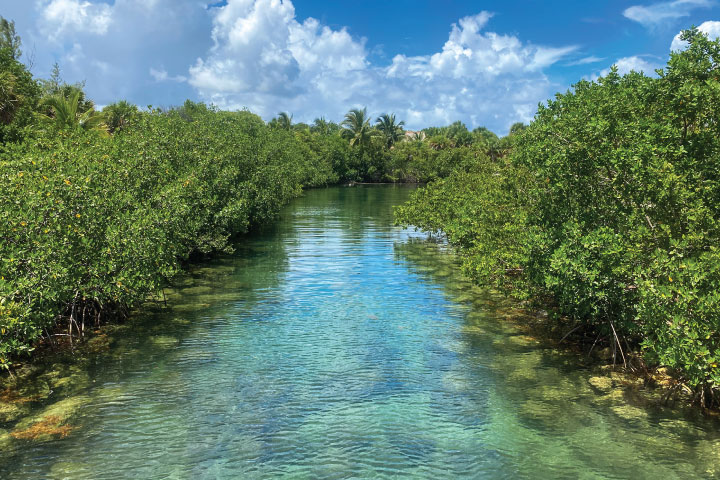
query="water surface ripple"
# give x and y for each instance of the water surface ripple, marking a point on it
(337, 346)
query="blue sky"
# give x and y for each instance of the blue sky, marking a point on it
(486, 63)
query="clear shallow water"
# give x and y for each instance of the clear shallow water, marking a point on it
(337, 346)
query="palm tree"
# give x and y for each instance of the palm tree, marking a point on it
(417, 136)
(357, 127)
(66, 113)
(10, 98)
(321, 126)
(392, 131)
(284, 120)
(119, 115)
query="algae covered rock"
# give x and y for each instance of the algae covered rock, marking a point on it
(602, 383)
(51, 422)
(629, 412)
(9, 412)
(5, 438)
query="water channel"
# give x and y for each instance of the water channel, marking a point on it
(335, 345)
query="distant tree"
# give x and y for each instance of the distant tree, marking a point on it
(517, 127)
(485, 135)
(459, 134)
(300, 127)
(119, 115)
(417, 136)
(323, 127)
(357, 127)
(9, 39)
(391, 130)
(283, 121)
(440, 142)
(19, 96)
(433, 131)
(57, 87)
(192, 111)
(53, 84)
(65, 112)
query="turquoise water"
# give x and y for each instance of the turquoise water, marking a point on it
(334, 345)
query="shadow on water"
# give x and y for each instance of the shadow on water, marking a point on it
(332, 345)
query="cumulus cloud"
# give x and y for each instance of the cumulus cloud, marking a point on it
(58, 17)
(266, 60)
(139, 50)
(258, 54)
(711, 28)
(658, 13)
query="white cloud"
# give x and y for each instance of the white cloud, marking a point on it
(635, 63)
(257, 54)
(585, 61)
(711, 28)
(113, 45)
(266, 60)
(161, 75)
(658, 13)
(59, 17)
(544, 57)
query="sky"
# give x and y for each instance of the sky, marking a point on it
(486, 63)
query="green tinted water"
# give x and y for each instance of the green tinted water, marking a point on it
(338, 346)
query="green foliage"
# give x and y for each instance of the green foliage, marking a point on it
(482, 210)
(517, 127)
(610, 207)
(9, 39)
(19, 96)
(68, 113)
(94, 223)
(283, 121)
(357, 128)
(323, 127)
(120, 115)
(391, 129)
(56, 87)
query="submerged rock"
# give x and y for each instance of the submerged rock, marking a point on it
(65, 469)
(164, 341)
(604, 384)
(51, 422)
(5, 438)
(630, 412)
(10, 412)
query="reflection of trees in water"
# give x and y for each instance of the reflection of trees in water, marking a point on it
(549, 399)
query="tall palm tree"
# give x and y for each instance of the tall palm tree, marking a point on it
(65, 113)
(391, 130)
(357, 127)
(284, 120)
